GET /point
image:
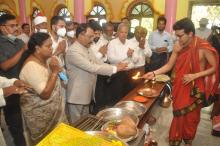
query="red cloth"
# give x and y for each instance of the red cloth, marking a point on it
(184, 127)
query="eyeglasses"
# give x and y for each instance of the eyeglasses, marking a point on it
(180, 36)
(11, 25)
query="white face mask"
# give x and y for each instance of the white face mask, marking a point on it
(70, 33)
(12, 37)
(61, 32)
(43, 30)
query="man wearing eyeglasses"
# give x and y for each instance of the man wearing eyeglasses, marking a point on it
(12, 56)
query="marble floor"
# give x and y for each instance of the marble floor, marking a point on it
(160, 130)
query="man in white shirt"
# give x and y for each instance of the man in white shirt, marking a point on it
(203, 32)
(140, 45)
(119, 50)
(108, 31)
(142, 51)
(25, 33)
(161, 45)
(99, 45)
(7, 88)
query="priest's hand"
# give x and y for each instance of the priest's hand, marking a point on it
(187, 78)
(149, 76)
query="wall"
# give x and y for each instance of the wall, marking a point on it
(116, 9)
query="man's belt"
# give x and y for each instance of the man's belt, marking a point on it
(187, 109)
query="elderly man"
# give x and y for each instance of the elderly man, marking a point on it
(140, 44)
(142, 51)
(108, 31)
(119, 50)
(40, 24)
(203, 32)
(82, 68)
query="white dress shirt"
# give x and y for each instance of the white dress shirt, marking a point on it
(54, 47)
(23, 37)
(95, 48)
(158, 40)
(117, 52)
(4, 82)
(141, 53)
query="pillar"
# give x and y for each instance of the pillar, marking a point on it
(79, 11)
(170, 14)
(22, 12)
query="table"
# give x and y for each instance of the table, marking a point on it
(158, 87)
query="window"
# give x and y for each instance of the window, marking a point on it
(35, 12)
(2, 12)
(209, 11)
(141, 15)
(65, 13)
(98, 13)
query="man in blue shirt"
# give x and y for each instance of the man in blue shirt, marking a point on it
(161, 45)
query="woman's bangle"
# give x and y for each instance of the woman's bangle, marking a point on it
(153, 73)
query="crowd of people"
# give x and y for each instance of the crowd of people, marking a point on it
(59, 73)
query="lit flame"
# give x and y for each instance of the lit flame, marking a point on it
(137, 76)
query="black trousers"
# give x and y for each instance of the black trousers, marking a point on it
(157, 61)
(13, 119)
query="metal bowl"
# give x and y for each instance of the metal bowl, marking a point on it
(107, 136)
(132, 106)
(110, 114)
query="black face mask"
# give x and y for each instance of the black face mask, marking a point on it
(96, 39)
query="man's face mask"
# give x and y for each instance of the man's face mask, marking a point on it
(12, 37)
(96, 39)
(70, 33)
(61, 32)
(43, 30)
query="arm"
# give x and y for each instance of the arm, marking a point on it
(46, 93)
(167, 67)
(147, 50)
(6, 65)
(77, 59)
(210, 58)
